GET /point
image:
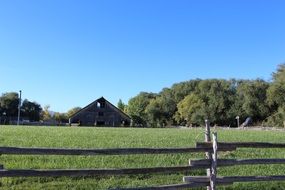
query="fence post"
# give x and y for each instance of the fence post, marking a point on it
(208, 154)
(214, 162)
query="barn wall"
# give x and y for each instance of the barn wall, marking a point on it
(94, 115)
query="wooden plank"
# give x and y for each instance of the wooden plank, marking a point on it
(174, 186)
(242, 145)
(208, 153)
(93, 152)
(214, 162)
(232, 179)
(232, 162)
(93, 172)
(168, 187)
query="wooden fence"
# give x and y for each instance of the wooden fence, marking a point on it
(211, 149)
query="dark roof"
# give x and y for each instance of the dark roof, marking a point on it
(99, 100)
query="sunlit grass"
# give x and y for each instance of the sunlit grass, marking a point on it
(75, 137)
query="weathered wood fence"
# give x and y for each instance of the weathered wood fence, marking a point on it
(211, 149)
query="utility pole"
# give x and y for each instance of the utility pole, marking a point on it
(19, 108)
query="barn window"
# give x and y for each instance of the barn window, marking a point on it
(100, 104)
(100, 113)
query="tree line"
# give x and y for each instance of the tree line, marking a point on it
(221, 101)
(31, 111)
(186, 103)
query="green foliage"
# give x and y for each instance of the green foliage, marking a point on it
(45, 114)
(31, 110)
(121, 105)
(276, 98)
(9, 104)
(252, 95)
(277, 119)
(137, 106)
(218, 100)
(189, 110)
(60, 117)
(161, 109)
(276, 91)
(182, 89)
(72, 111)
(216, 96)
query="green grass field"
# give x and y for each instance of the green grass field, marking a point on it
(129, 137)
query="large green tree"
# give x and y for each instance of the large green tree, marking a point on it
(60, 117)
(137, 106)
(9, 104)
(276, 91)
(160, 111)
(121, 105)
(252, 95)
(217, 97)
(276, 98)
(72, 111)
(190, 110)
(31, 110)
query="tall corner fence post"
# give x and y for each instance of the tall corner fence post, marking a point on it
(208, 154)
(214, 162)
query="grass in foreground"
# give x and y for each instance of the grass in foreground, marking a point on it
(129, 137)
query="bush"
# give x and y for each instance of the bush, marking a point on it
(277, 119)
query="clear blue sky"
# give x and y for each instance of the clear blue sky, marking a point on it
(68, 53)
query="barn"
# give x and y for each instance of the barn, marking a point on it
(100, 113)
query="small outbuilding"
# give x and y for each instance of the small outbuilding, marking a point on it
(100, 113)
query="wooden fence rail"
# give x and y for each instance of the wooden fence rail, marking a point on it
(233, 162)
(241, 145)
(94, 172)
(110, 151)
(232, 179)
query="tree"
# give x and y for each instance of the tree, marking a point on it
(9, 103)
(45, 114)
(190, 110)
(276, 98)
(161, 109)
(252, 94)
(182, 89)
(276, 91)
(60, 117)
(31, 110)
(72, 111)
(217, 97)
(121, 105)
(136, 108)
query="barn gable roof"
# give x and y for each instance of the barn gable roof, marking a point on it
(100, 100)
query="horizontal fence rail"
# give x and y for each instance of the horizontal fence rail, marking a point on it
(168, 187)
(232, 179)
(233, 162)
(241, 145)
(111, 151)
(93, 172)
(175, 186)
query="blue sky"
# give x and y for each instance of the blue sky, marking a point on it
(67, 53)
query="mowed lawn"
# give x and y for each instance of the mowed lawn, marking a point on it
(84, 137)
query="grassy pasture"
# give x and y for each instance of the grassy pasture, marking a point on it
(130, 137)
